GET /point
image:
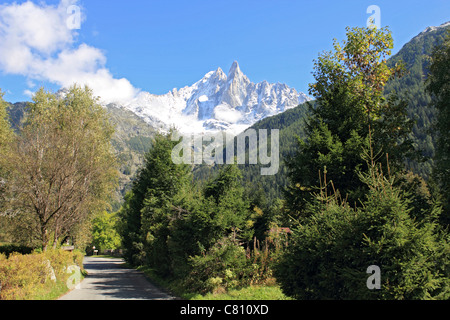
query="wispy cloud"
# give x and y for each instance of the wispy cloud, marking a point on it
(36, 42)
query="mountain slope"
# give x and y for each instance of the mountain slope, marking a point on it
(217, 102)
(132, 139)
(410, 87)
(219, 96)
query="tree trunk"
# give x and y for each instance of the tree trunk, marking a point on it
(44, 238)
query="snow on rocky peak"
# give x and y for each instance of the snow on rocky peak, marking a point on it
(432, 28)
(217, 102)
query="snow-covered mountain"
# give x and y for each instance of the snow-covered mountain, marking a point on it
(432, 28)
(217, 102)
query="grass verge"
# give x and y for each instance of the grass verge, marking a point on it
(247, 293)
(174, 288)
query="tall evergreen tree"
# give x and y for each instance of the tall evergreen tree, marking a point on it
(350, 113)
(438, 85)
(232, 212)
(331, 250)
(201, 218)
(159, 180)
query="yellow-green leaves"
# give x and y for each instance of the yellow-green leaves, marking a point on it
(64, 167)
(359, 63)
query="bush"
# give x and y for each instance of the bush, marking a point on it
(20, 275)
(227, 265)
(221, 267)
(28, 277)
(333, 247)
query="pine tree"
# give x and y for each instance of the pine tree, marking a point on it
(438, 85)
(331, 250)
(144, 215)
(349, 113)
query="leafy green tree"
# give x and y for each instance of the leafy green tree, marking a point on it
(200, 218)
(6, 133)
(207, 274)
(64, 165)
(232, 212)
(438, 85)
(6, 136)
(104, 233)
(350, 113)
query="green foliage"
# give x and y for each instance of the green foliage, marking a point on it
(228, 265)
(416, 55)
(350, 113)
(104, 231)
(354, 73)
(438, 86)
(29, 277)
(143, 216)
(332, 248)
(64, 166)
(232, 212)
(222, 266)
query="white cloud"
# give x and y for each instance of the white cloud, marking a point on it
(35, 42)
(226, 113)
(28, 93)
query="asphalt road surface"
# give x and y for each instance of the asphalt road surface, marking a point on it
(108, 280)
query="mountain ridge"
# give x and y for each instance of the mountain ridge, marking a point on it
(218, 101)
(411, 88)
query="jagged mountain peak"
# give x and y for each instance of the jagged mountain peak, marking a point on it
(217, 102)
(234, 70)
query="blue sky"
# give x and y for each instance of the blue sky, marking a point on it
(155, 46)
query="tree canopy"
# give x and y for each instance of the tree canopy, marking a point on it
(64, 165)
(438, 85)
(350, 115)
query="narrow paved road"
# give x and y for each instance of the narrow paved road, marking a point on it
(108, 280)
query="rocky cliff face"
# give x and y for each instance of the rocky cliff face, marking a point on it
(217, 102)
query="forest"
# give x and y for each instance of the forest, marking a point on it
(363, 182)
(351, 199)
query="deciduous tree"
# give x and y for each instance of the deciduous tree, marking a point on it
(64, 167)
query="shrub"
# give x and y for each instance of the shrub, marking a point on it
(26, 277)
(333, 247)
(222, 266)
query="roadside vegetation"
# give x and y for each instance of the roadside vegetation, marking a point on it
(349, 203)
(39, 275)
